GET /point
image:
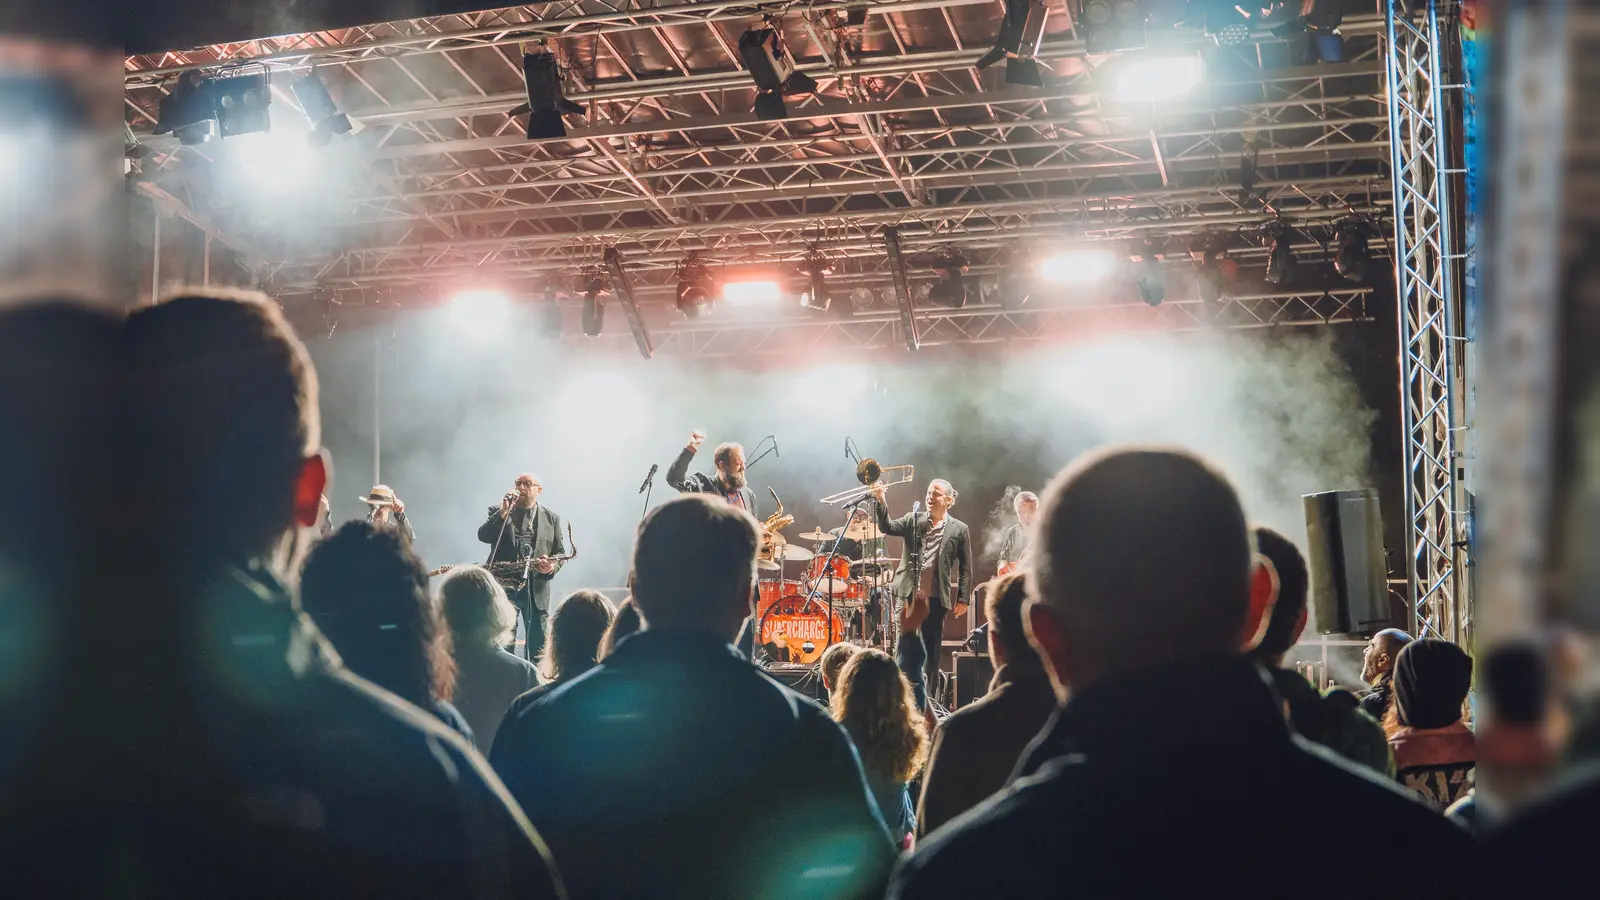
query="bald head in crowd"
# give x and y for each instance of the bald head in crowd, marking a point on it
(1142, 558)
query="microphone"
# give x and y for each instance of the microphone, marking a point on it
(775, 447)
(510, 495)
(647, 478)
(916, 507)
(847, 447)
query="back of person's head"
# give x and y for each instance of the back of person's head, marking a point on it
(1517, 683)
(1002, 607)
(874, 702)
(368, 594)
(626, 621)
(476, 609)
(832, 660)
(1285, 622)
(712, 593)
(1142, 558)
(1431, 681)
(576, 630)
(222, 397)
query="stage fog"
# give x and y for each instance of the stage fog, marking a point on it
(464, 408)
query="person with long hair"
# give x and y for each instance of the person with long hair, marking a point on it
(481, 619)
(625, 622)
(577, 631)
(368, 594)
(874, 702)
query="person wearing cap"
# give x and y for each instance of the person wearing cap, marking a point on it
(385, 510)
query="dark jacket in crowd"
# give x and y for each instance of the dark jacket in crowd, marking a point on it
(1437, 763)
(1375, 702)
(951, 571)
(548, 540)
(679, 476)
(1545, 849)
(677, 769)
(977, 748)
(316, 783)
(1333, 720)
(1185, 781)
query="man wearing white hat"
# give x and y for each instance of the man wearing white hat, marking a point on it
(385, 510)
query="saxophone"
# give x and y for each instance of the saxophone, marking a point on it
(770, 538)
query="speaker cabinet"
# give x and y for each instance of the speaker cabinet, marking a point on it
(1349, 575)
(974, 671)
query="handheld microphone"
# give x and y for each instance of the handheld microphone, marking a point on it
(647, 478)
(916, 507)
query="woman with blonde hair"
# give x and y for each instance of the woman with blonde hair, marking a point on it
(875, 704)
(481, 621)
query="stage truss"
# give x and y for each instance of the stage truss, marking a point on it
(1423, 60)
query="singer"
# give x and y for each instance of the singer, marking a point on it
(522, 529)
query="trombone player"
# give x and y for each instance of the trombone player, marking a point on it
(942, 543)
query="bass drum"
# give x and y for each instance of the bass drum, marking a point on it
(800, 628)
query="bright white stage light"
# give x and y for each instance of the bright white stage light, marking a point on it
(273, 161)
(1077, 266)
(751, 291)
(482, 310)
(1157, 79)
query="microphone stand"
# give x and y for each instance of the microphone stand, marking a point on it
(763, 455)
(649, 488)
(827, 567)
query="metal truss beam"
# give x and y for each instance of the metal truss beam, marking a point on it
(884, 330)
(1420, 56)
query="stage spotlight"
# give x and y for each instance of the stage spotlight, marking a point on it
(694, 288)
(480, 310)
(547, 102)
(1077, 265)
(1021, 28)
(1226, 21)
(1354, 255)
(550, 314)
(593, 288)
(242, 103)
(953, 288)
(1147, 271)
(1281, 262)
(326, 120)
(1157, 79)
(861, 300)
(772, 66)
(751, 290)
(816, 271)
(1112, 26)
(189, 111)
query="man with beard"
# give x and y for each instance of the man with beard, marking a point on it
(729, 484)
(1014, 550)
(519, 529)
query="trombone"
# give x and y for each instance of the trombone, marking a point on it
(869, 473)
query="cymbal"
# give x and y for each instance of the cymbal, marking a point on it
(767, 564)
(862, 531)
(791, 553)
(875, 561)
(816, 536)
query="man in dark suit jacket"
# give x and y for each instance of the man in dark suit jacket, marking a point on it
(944, 546)
(977, 748)
(522, 528)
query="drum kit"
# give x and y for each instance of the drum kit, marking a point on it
(833, 599)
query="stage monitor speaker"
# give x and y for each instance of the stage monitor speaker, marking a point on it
(1349, 576)
(974, 671)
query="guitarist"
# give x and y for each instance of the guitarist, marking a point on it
(1014, 548)
(936, 564)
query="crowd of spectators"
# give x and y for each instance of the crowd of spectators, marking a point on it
(308, 718)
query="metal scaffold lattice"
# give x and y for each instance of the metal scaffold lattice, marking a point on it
(1420, 59)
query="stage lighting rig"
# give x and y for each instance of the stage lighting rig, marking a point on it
(550, 314)
(816, 269)
(623, 286)
(953, 287)
(772, 66)
(1109, 26)
(1217, 270)
(242, 101)
(1021, 30)
(189, 110)
(1354, 256)
(592, 285)
(1147, 272)
(696, 287)
(318, 105)
(902, 290)
(1278, 237)
(862, 300)
(547, 102)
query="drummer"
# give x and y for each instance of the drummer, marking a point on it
(859, 540)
